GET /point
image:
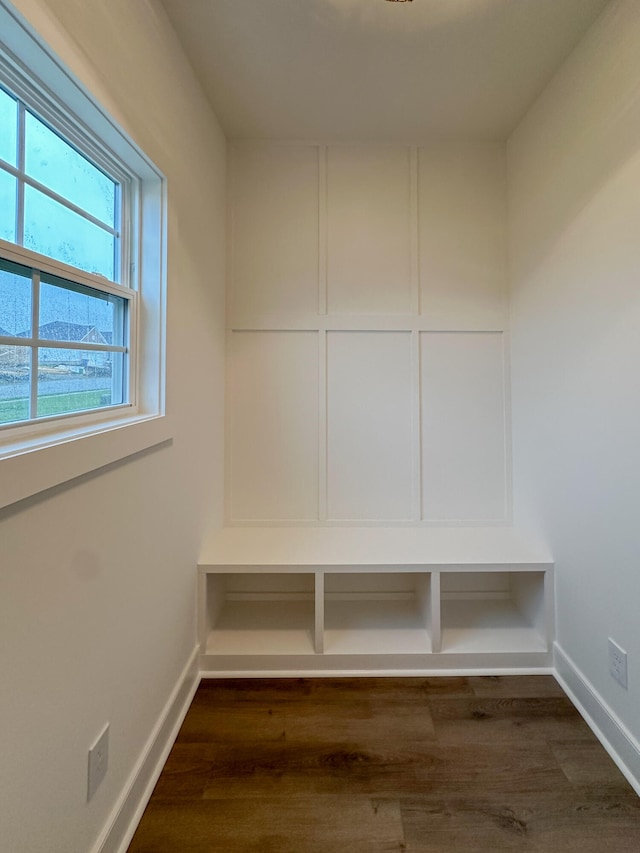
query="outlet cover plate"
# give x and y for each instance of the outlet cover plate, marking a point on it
(98, 762)
(618, 663)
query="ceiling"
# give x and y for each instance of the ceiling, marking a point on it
(373, 70)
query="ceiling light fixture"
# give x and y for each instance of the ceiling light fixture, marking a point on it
(399, 1)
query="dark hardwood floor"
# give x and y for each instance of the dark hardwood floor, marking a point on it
(422, 765)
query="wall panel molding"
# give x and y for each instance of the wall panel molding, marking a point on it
(463, 426)
(369, 229)
(369, 426)
(273, 427)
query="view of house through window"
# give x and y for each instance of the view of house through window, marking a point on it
(63, 342)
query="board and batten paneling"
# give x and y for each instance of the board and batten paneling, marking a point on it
(463, 426)
(274, 232)
(369, 437)
(368, 229)
(273, 425)
(462, 235)
(366, 313)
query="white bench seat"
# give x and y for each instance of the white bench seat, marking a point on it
(374, 599)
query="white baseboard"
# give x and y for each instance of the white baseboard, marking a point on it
(621, 745)
(372, 673)
(124, 818)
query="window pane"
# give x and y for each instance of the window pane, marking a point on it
(76, 313)
(71, 380)
(8, 128)
(7, 207)
(15, 301)
(56, 231)
(57, 165)
(14, 396)
(15, 361)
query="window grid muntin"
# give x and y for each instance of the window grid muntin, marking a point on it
(24, 179)
(6, 97)
(19, 229)
(42, 137)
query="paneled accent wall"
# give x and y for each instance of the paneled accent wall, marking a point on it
(366, 318)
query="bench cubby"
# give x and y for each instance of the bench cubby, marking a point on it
(254, 614)
(377, 612)
(493, 612)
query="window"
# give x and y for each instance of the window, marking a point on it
(82, 277)
(64, 337)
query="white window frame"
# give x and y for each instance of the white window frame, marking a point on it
(40, 454)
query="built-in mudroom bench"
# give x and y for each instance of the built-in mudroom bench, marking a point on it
(303, 600)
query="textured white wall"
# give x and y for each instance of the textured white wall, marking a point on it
(97, 579)
(574, 180)
(389, 263)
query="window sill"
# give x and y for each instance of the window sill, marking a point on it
(34, 465)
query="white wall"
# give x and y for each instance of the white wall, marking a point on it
(366, 323)
(574, 180)
(97, 579)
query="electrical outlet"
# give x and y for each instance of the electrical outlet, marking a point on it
(98, 762)
(618, 663)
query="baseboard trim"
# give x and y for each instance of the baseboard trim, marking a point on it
(614, 736)
(125, 816)
(372, 673)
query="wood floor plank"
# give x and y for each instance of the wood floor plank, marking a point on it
(490, 768)
(286, 770)
(507, 719)
(515, 686)
(308, 825)
(571, 822)
(586, 763)
(480, 709)
(471, 824)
